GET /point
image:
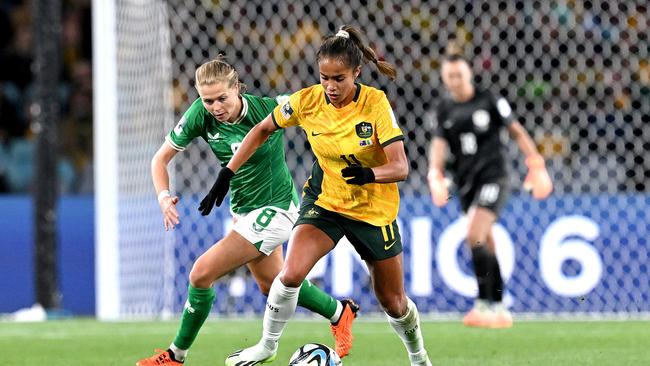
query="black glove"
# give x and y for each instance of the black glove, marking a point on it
(360, 175)
(217, 192)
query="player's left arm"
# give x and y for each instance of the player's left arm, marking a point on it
(390, 137)
(516, 130)
(523, 140)
(396, 168)
(537, 180)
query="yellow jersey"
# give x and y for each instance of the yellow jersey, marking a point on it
(353, 134)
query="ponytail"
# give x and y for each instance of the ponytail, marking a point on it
(348, 45)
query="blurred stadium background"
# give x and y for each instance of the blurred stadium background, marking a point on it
(577, 74)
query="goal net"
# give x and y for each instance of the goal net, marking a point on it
(575, 73)
(134, 257)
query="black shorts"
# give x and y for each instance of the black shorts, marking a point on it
(490, 194)
(371, 242)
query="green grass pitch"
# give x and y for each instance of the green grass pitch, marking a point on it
(88, 342)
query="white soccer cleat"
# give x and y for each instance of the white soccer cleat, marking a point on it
(419, 359)
(251, 356)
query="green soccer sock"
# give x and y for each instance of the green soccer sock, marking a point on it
(316, 300)
(197, 309)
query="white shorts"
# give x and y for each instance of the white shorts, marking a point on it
(267, 227)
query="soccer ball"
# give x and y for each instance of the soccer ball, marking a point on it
(315, 354)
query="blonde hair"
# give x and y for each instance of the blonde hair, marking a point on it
(349, 46)
(218, 71)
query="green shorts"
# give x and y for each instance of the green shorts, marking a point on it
(371, 242)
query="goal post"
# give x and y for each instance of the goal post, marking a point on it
(132, 108)
(107, 291)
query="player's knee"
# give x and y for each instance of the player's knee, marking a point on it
(475, 238)
(265, 285)
(394, 305)
(201, 276)
(291, 279)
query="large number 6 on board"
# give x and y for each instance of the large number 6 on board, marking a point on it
(567, 238)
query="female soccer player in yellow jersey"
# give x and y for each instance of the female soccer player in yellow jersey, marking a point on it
(352, 190)
(264, 205)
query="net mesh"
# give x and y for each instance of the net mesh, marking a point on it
(575, 72)
(144, 113)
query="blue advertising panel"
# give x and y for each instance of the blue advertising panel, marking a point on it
(573, 253)
(75, 218)
(577, 253)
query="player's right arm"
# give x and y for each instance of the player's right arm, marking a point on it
(437, 156)
(160, 178)
(253, 139)
(437, 183)
(283, 115)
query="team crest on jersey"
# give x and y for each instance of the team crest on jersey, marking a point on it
(286, 110)
(481, 119)
(364, 130)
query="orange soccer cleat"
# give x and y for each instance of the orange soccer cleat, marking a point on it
(160, 358)
(480, 316)
(501, 317)
(342, 329)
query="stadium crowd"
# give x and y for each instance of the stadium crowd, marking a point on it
(17, 140)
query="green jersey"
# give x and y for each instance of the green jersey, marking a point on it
(264, 180)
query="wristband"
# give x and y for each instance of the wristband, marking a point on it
(164, 193)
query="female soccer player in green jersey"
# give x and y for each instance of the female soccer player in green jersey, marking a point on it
(264, 206)
(352, 190)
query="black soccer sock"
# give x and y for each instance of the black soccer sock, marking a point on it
(480, 258)
(495, 280)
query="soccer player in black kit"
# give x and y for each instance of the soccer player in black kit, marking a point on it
(469, 126)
